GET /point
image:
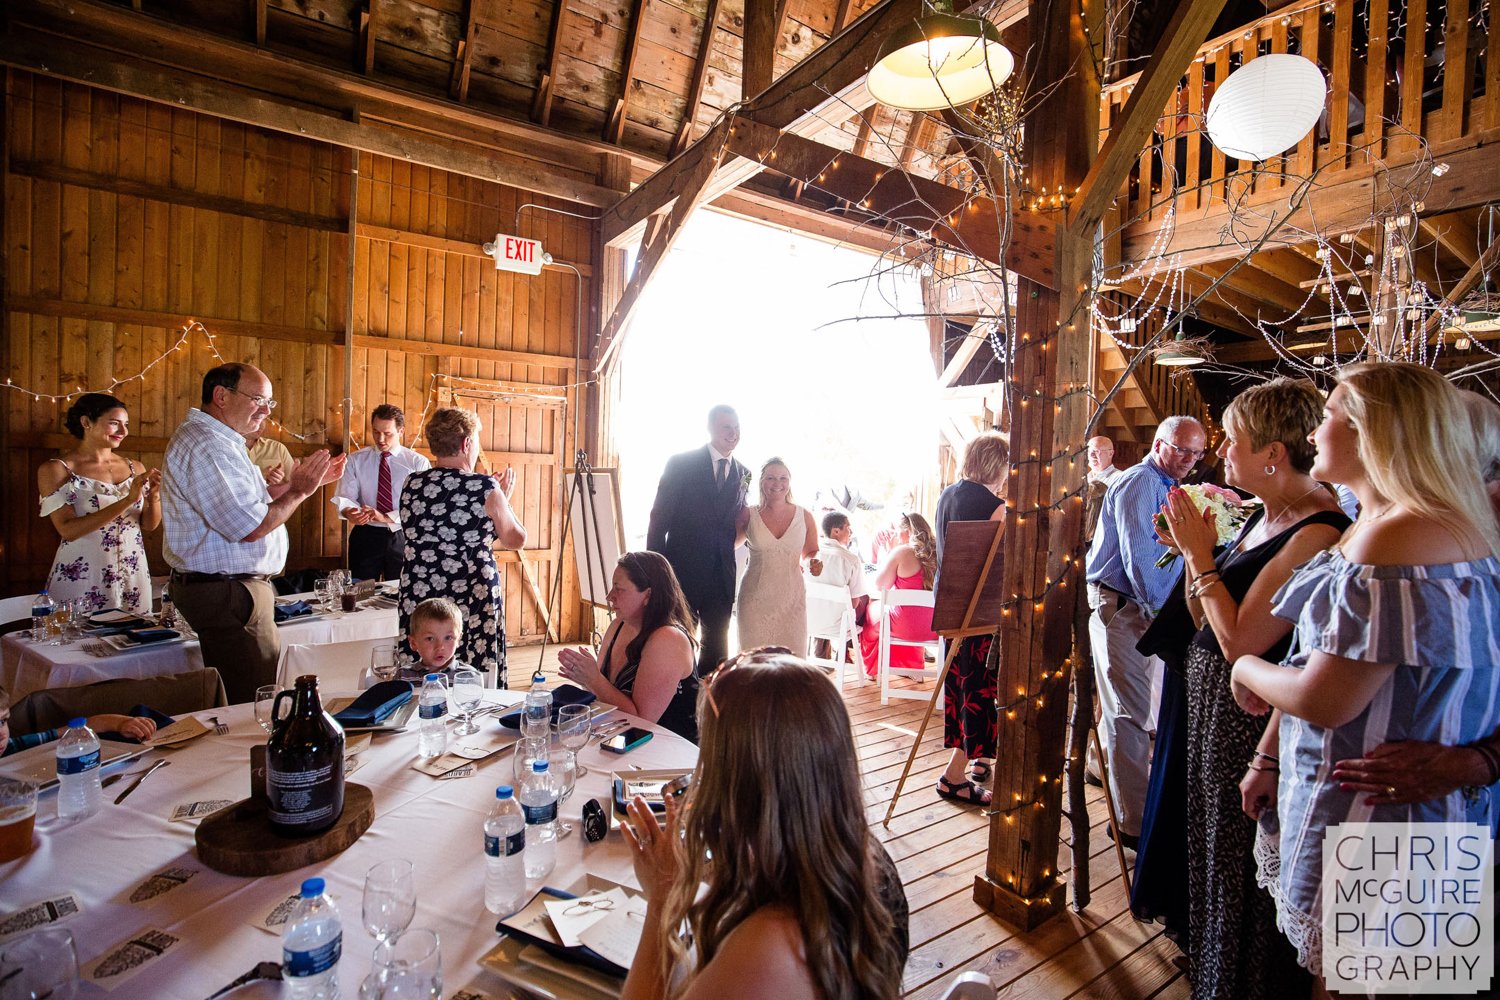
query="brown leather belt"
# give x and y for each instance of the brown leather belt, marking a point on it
(216, 577)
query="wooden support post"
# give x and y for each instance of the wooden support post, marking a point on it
(258, 15)
(463, 55)
(700, 76)
(364, 52)
(614, 130)
(541, 105)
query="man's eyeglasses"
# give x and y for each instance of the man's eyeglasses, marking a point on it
(259, 401)
(1193, 453)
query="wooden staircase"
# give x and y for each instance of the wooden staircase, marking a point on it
(1150, 394)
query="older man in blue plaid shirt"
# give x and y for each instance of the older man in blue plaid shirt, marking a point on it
(1126, 589)
(225, 527)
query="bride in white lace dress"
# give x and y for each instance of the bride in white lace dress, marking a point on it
(772, 603)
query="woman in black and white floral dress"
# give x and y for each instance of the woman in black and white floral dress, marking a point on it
(452, 517)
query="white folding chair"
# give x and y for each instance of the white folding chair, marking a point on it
(890, 599)
(16, 609)
(340, 666)
(843, 633)
(970, 986)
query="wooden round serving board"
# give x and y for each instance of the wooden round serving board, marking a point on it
(238, 840)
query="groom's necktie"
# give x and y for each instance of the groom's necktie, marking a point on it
(723, 471)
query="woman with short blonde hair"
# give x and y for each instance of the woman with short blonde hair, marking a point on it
(987, 460)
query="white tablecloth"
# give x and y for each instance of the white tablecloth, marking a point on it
(26, 666)
(437, 825)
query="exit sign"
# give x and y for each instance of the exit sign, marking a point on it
(515, 253)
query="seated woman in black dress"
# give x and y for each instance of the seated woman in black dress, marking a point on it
(646, 667)
(1205, 743)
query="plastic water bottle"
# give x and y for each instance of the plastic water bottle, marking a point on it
(41, 609)
(432, 735)
(536, 719)
(311, 946)
(78, 791)
(504, 840)
(539, 806)
(168, 616)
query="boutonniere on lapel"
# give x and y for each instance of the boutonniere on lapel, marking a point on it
(744, 484)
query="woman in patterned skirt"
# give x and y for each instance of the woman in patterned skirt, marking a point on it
(452, 517)
(1397, 632)
(1232, 943)
(969, 691)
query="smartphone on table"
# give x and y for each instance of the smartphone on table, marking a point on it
(626, 741)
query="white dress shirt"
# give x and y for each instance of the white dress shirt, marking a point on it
(212, 496)
(361, 481)
(841, 568)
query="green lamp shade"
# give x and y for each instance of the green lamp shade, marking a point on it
(939, 61)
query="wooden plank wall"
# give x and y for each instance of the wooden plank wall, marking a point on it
(124, 218)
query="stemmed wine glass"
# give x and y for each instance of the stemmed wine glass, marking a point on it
(265, 702)
(390, 899)
(574, 726)
(43, 963)
(467, 692)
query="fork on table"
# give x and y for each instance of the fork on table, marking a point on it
(219, 727)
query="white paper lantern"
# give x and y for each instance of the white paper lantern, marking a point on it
(1266, 106)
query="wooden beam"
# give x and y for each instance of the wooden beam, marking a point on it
(700, 76)
(614, 131)
(665, 228)
(463, 55)
(1455, 234)
(38, 305)
(258, 16)
(499, 355)
(1346, 201)
(364, 52)
(866, 126)
(541, 104)
(1185, 32)
(762, 33)
(133, 76)
(841, 17)
(936, 211)
(442, 244)
(1470, 281)
(176, 196)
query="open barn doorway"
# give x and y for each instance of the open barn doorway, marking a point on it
(823, 351)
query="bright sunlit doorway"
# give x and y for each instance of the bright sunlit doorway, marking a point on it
(822, 350)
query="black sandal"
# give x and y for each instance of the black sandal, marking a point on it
(965, 792)
(979, 771)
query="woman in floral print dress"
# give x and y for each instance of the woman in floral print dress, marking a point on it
(452, 517)
(100, 503)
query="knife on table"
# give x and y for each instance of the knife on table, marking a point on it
(138, 779)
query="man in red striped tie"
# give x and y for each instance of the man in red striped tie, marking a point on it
(369, 496)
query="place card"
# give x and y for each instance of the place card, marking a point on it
(471, 992)
(184, 729)
(457, 772)
(187, 811)
(474, 748)
(163, 882)
(40, 914)
(125, 960)
(275, 920)
(617, 937)
(570, 917)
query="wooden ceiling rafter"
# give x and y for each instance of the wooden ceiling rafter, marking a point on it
(614, 130)
(763, 20)
(541, 103)
(700, 76)
(258, 19)
(463, 53)
(1453, 233)
(364, 48)
(866, 126)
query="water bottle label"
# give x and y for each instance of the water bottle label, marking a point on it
(314, 961)
(514, 844)
(41, 611)
(79, 764)
(433, 711)
(545, 813)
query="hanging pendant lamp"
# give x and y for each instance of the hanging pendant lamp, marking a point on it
(1178, 356)
(939, 61)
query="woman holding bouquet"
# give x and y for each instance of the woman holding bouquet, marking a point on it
(1225, 612)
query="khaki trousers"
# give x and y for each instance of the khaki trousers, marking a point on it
(1127, 702)
(236, 625)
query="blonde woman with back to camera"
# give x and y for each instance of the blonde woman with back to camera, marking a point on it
(1397, 636)
(768, 863)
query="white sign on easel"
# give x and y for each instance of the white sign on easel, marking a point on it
(594, 524)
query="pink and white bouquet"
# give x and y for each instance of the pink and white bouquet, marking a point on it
(1230, 514)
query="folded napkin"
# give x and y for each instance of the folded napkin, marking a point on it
(113, 616)
(142, 636)
(376, 704)
(563, 694)
(295, 609)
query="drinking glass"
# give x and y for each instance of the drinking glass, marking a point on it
(390, 899)
(574, 727)
(467, 691)
(40, 964)
(57, 623)
(409, 967)
(17, 817)
(265, 700)
(563, 764)
(529, 748)
(78, 619)
(383, 663)
(327, 593)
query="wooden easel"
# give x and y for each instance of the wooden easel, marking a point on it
(968, 603)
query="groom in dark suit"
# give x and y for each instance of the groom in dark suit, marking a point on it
(692, 524)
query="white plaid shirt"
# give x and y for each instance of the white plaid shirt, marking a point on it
(213, 496)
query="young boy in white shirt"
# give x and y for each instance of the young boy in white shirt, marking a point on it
(836, 566)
